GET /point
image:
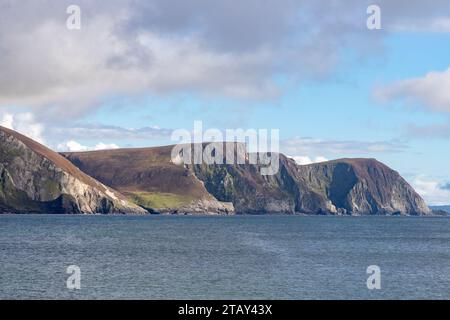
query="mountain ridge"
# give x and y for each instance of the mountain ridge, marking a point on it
(35, 179)
(441, 209)
(372, 188)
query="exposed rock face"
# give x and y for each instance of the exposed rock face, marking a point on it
(248, 190)
(34, 179)
(347, 186)
(151, 180)
(201, 206)
(362, 186)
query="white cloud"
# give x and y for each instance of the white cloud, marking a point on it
(116, 133)
(436, 130)
(430, 91)
(7, 120)
(74, 146)
(67, 72)
(132, 47)
(439, 24)
(339, 148)
(304, 160)
(51, 134)
(71, 146)
(105, 146)
(23, 123)
(431, 190)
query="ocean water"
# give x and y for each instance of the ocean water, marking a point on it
(221, 257)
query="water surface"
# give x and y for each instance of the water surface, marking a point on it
(224, 257)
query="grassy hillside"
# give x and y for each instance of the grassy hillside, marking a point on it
(346, 186)
(145, 175)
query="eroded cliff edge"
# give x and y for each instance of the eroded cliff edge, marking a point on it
(149, 178)
(34, 179)
(345, 186)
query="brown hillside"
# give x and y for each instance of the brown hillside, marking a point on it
(139, 170)
(344, 186)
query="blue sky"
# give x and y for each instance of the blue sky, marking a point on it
(134, 72)
(340, 107)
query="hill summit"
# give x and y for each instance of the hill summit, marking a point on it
(35, 179)
(345, 186)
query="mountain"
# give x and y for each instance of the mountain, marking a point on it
(363, 186)
(442, 209)
(346, 186)
(34, 179)
(150, 179)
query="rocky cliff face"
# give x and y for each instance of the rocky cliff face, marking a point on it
(149, 178)
(362, 186)
(248, 190)
(253, 193)
(34, 179)
(347, 186)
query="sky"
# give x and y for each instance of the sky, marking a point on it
(137, 70)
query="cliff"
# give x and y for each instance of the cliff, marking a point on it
(346, 186)
(363, 186)
(34, 179)
(149, 178)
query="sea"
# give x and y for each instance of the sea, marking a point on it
(224, 257)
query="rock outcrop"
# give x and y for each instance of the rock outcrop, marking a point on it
(362, 186)
(346, 186)
(149, 178)
(34, 179)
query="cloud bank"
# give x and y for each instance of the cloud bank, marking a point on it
(313, 148)
(431, 190)
(132, 47)
(24, 123)
(74, 146)
(430, 91)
